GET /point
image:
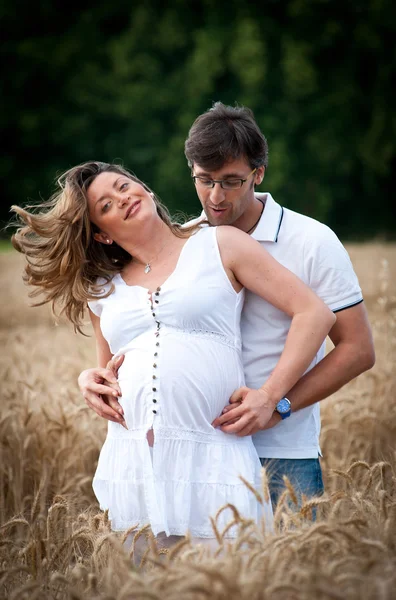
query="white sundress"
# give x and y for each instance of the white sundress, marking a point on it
(182, 362)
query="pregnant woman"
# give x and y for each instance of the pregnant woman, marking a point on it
(169, 298)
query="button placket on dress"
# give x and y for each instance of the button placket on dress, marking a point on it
(154, 302)
(154, 508)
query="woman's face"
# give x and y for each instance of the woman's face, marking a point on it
(118, 206)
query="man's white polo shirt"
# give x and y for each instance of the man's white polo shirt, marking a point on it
(313, 252)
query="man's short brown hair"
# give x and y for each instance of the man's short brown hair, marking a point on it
(225, 133)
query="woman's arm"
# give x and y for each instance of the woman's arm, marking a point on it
(249, 264)
(102, 347)
(99, 386)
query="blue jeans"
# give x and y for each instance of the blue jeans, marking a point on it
(305, 475)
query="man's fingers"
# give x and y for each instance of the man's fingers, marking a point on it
(115, 387)
(229, 416)
(103, 409)
(106, 374)
(100, 377)
(101, 389)
(233, 421)
(238, 427)
(227, 408)
(114, 364)
(239, 394)
(114, 404)
(118, 361)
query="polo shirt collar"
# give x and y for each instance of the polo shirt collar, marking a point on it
(270, 223)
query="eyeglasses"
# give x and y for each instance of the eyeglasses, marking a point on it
(226, 184)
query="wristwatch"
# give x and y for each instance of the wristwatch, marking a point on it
(283, 407)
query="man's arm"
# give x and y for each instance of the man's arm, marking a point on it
(329, 272)
(353, 353)
(311, 320)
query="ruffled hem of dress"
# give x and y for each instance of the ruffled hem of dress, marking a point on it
(191, 514)
(183, 483)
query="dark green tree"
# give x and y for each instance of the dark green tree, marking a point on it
(113, 81)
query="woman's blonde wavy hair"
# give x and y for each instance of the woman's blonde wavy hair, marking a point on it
(64, 262)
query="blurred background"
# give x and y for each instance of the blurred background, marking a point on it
(125, 81)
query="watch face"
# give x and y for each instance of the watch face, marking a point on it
(283, 406)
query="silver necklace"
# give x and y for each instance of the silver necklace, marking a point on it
(147, 268)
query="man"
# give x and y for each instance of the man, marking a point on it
(228, 155)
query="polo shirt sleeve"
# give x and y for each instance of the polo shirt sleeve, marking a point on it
(329, 271)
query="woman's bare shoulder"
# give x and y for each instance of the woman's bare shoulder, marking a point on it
(230, 236)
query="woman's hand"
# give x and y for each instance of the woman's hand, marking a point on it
(249, 412)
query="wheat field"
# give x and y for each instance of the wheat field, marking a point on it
(56, 544)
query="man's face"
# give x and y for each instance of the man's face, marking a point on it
(226, 207)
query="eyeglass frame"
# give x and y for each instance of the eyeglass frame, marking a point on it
(221, 181)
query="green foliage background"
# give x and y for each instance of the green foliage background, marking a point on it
(125, 81)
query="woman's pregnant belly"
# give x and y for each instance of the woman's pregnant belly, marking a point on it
(187, 383)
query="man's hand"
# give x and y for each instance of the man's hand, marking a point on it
(274, 420)
(100, 390)
(250, 411)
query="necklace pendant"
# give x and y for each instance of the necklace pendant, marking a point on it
(147, 268)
